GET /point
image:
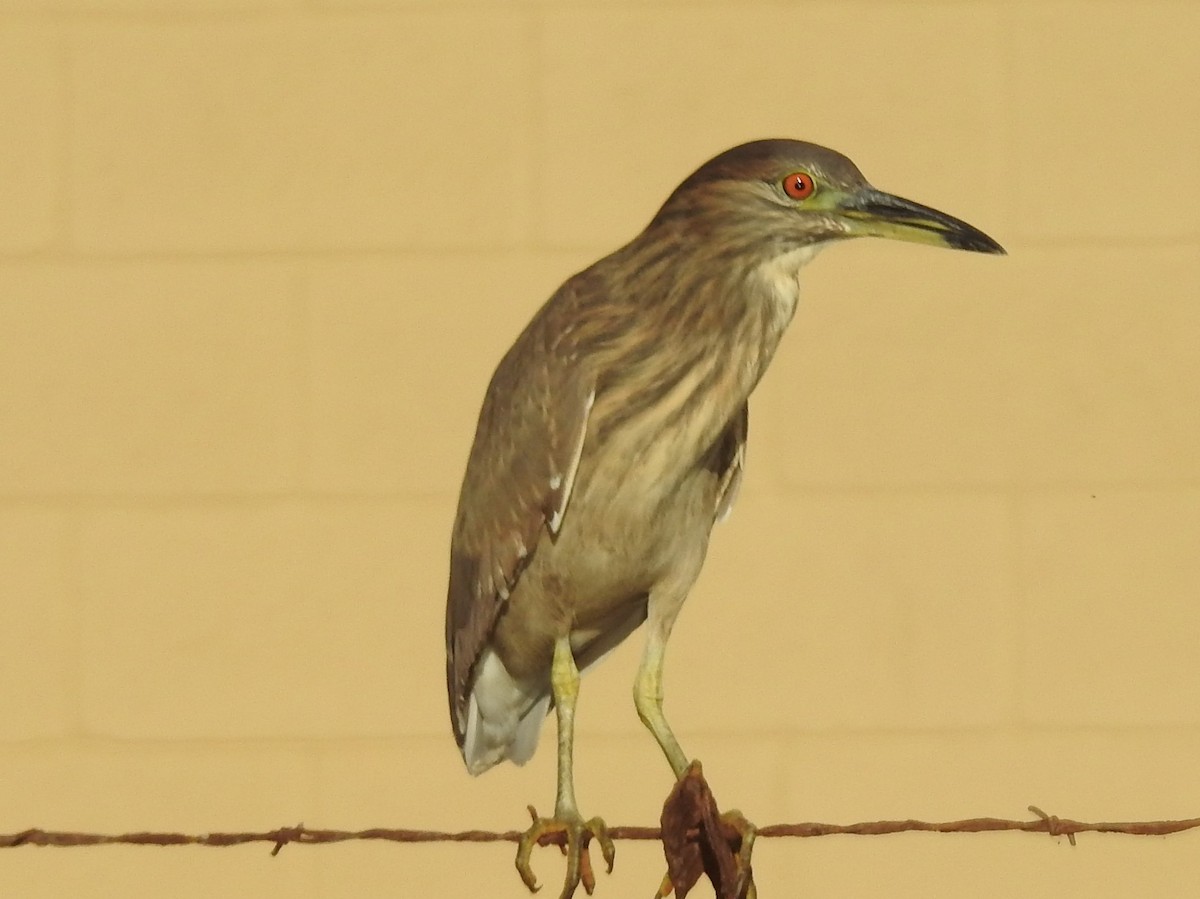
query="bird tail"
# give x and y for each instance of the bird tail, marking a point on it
(504, 716)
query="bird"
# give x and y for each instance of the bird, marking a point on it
(612, 438)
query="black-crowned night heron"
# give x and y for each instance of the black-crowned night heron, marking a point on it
(613, 436)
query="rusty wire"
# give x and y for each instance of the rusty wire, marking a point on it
(1042, 823)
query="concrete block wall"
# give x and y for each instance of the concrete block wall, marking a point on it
(257, 261)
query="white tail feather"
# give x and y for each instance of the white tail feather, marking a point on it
(504, 716)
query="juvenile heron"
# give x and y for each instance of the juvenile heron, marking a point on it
(612, 437)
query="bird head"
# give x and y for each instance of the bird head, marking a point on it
(780, 195)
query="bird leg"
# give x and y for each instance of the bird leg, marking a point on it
(564, 684)
(648, 697)
(731, 829)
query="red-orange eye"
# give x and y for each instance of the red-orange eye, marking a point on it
(799, 185)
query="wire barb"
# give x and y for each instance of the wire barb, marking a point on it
(1053, 824)
(287, 835)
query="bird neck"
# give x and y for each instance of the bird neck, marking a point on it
(780, 277)
(677, 333)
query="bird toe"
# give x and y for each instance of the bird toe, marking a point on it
(575, 837)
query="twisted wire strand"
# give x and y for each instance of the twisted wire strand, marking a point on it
(1042, 823)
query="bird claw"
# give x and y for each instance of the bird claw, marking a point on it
(578, 834)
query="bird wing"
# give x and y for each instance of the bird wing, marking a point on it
(518, 482)
(731, 462)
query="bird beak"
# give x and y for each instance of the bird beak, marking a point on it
(872, 213)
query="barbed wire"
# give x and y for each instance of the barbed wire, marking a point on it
(283, 836)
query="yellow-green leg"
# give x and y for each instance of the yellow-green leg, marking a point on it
(564, 684)
(648, 697)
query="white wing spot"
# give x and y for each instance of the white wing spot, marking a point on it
(556, 519)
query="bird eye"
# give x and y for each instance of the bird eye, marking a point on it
(799, 185)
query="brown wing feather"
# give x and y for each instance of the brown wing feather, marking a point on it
(518, 481)
(731, 461)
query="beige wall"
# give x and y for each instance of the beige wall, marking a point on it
(257, 260)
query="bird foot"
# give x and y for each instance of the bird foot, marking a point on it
(578, 833)
(744, 835)
(697, 840)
